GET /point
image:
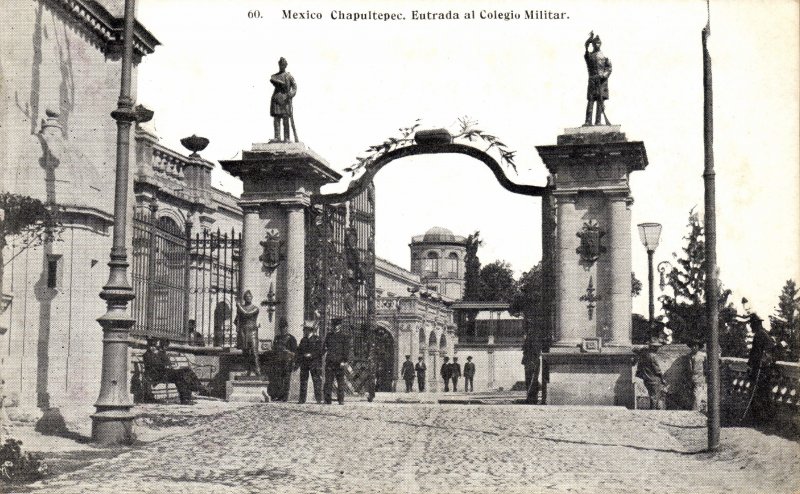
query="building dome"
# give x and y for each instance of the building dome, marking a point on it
(439, 234)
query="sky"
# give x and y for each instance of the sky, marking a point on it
(523, 81)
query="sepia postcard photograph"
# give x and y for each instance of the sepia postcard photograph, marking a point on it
(510, 246)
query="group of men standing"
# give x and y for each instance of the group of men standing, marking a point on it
(450, 373)
(307, 356)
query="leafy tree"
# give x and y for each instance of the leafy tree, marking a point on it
(636, 285)
(472, 268)
(28, 219)
(528, 297)
(785, 323)
(497, 282)
(685, 309)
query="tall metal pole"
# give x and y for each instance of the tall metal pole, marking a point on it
(651, 305)
(712, 309)
(112, 423)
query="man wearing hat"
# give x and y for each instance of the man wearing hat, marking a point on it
(421, 369)
(455, 372)
(469, 375)
(337, 351)
(446, 371)
(309, 359)
(286, 347)
(408, 373)
(760, 362)
(650, 372)
(153, 372)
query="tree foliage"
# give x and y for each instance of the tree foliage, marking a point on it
(785, 323)
(472, 268)
(497, 282)
(685, 308)
(636, 285)
(27, 218)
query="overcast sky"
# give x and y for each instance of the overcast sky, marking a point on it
(522, 80)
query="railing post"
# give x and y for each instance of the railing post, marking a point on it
(187, 266)
(149, 308)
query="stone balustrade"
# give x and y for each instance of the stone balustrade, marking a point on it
(737, 388)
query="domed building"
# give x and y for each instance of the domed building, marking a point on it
(438, 258)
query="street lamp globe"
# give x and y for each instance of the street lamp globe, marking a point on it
(650, 234)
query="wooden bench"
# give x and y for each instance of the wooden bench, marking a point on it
(167, 391)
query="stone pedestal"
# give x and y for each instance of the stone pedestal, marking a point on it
(278, 181)
(590, 167)
(247, 389)
(590, 378)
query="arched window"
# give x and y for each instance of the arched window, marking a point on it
(432, 340)
(451, 266)
(430, 268)
(421, 337)
(443, 343)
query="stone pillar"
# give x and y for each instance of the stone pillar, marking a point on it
(251, 228)
(295, 269)
(568, 329)
(621, 302)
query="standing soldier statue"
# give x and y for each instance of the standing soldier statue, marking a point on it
(281, 105)
(247, 326)
(599, 68)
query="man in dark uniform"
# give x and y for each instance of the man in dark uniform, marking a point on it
(760, 363)
(446, 371)
(152, 373)
(184, 379)
(337, 351)
(469, 375)
(408, 373)
(286, 348)
(370, 372)
(455, 372)
(420, 369)
(531, 354)
(309, 360)
(649, 371)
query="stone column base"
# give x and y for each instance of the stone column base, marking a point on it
(590, 378)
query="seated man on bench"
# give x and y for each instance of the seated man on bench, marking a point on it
(158, 369)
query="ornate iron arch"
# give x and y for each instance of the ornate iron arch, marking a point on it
(438, 141)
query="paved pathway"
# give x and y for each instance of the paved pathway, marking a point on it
(411, 448)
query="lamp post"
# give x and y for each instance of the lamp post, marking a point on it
(650, 234)
(112, 422)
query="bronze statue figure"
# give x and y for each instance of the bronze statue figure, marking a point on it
(247, 326)
(599, 68)
(281, 105)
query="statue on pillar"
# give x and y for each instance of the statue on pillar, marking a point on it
(281, 105)
(247, 326)
(599, 68)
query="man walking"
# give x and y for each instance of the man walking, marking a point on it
(446, 372)
(408, 373)
(531, 355)
(309, 359)
(469, 375)
(337, 350)
(455, 372)
(421, 368)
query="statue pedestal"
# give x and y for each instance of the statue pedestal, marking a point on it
(590, 378)
(247, 389)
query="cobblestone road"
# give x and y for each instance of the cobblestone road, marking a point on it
(413, 448)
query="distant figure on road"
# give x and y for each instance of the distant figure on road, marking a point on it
(371, 372)
(455, 372)
(408, 373)
(286, 348)
(309, 360)
(697, 371)
(531, 359)
(337, 349)
(446, 371)
(650, 372)
(469, 375)
(421, 369)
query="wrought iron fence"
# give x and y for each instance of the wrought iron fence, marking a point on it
(186, 286)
